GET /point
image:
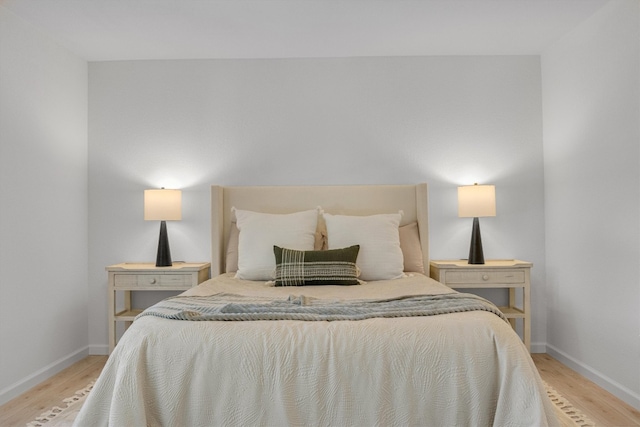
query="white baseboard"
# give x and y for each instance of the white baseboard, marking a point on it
(613, 387)
(16, 389)
(538, 347)
(98, 350)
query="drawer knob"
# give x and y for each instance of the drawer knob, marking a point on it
(152, 281)
(485, 277)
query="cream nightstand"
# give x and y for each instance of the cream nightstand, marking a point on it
(507, 274)
(128, 277)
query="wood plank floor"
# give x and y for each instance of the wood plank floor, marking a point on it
(600, 406)
(26, 407)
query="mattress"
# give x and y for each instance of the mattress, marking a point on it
(467, 368)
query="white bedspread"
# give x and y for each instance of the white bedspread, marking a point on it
(460, 369)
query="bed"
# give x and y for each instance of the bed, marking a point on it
(296, 361)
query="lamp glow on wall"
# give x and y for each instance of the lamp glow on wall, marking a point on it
(163, 205)
(476, 201)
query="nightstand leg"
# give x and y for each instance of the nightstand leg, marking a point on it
(526, 305)
(512, 304)
(127, 307)
(112, 322)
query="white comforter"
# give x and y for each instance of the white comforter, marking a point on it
(462, 369)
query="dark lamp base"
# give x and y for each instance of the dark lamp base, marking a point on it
(476, 256)
(164, 254)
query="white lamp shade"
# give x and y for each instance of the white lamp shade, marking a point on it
(162, 205)
(476, 201)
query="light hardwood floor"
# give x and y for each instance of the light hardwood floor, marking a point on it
(26, 407)
(600, 406)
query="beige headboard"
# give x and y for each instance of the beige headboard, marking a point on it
(344, 200)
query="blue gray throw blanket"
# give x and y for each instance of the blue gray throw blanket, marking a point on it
(224, 306)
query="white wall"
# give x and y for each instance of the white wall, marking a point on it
(591, 99)
(43, 207)
(188, 124)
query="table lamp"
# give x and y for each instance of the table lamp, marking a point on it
(163, 205)
(476, 201)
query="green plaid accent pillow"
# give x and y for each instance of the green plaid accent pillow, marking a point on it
(331, 267)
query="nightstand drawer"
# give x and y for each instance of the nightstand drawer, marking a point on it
(174, 280)
(465, 277)
(142, 280)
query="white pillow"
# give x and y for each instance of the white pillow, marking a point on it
(231, 259)
(259, 232)
(380, 256)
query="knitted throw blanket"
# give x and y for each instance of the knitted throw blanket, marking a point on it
(224, 306)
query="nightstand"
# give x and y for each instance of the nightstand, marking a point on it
(506, 274)
(128, 277)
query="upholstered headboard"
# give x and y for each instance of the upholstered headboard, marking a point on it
(342, 200)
